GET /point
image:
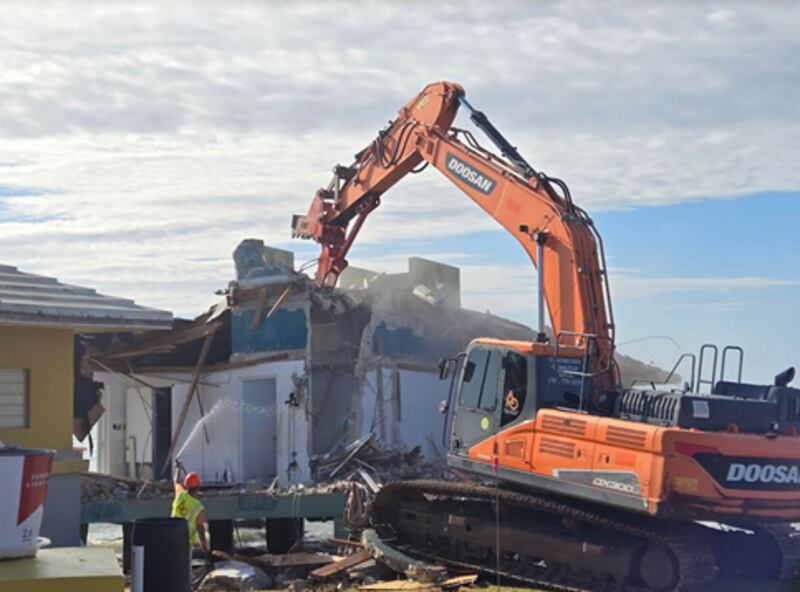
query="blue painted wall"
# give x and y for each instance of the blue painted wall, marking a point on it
(404, 343)
(285, 330)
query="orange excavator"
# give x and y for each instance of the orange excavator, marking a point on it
(577, 483)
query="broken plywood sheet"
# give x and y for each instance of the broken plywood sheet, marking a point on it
(459, 581)
(339, 567)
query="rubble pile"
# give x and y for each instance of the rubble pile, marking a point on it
(367, 564)
(97, 487)
(370, 461)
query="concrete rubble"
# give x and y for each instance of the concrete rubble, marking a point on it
(230, 576)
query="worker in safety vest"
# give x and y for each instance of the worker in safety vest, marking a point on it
(187, 506)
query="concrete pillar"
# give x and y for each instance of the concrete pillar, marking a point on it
(61, 522)
(340, 531)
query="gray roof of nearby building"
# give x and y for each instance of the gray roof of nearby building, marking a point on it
(28, 299)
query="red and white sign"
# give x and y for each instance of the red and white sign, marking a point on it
(23, 488)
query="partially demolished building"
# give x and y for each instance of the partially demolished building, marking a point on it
(281, 379)
(288, 374)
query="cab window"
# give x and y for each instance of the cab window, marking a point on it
(515, 387)
(480, 381)
(474, 370)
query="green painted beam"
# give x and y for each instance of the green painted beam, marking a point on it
(221, 507)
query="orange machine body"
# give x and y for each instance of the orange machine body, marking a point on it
(668, 472)
(671, 482)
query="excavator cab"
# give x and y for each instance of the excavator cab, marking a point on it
(498, 384)
(481, 405)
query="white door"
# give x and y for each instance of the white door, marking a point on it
(259, 429)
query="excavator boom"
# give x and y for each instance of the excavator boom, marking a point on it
(572, 279)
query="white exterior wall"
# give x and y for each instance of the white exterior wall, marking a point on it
(139, 428)
(222, 395)
(111, 426)
(410, 420)
(127, 420)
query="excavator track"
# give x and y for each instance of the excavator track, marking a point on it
(766, 551)
(787, 540)
(673, 556)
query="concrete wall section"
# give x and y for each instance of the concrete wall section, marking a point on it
(419, 397)
(441, 283)
(333, 403)
(401, 407)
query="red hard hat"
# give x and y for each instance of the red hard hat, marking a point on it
(192, 480)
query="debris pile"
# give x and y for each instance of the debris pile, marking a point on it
(368, 564)
(98, 487)
(370, 461)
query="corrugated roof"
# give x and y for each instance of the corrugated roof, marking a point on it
(28, 299)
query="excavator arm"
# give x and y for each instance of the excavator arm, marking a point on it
(558, 236)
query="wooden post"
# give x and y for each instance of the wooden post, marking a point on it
(201, 361)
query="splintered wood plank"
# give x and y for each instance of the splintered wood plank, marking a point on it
(400, 586)
(333, 569)
(459, 581)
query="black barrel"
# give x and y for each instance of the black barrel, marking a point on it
(165, 543)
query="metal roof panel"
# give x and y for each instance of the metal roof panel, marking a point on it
(29, 299)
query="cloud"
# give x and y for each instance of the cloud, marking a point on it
(158, 136)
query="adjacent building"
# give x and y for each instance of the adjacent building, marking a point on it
(43, 395)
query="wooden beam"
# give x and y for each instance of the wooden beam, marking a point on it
(333, 569)
(262, 302)
(156, 370)
(162, 343)
(201, 360)
(135, 379)
(284, 295)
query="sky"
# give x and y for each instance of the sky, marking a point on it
(139, 143)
